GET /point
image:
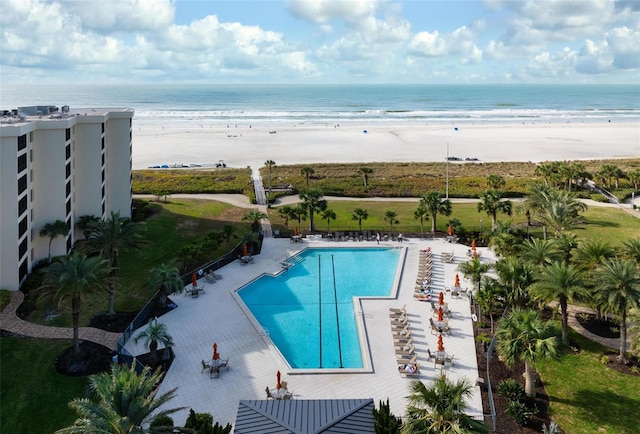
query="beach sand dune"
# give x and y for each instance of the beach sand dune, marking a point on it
(244, 146)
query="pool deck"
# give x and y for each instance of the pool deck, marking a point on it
(216, 316)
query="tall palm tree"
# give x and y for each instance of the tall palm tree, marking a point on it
(435, 205)
(491, 203)
(490, 298)
(109, 237)
(359, 214)
(562, 282)
(618, 290)
(285, 213)
(391, 217)
(631, 249)
(270, 164)
(71, 278)
(546, 170)
(366, 171)
(313, 202)
(84, 223)
(254, 216)
(523, 336)
(307, 172)
(328, 215)
(422, 214)
(535, 202)
(495, 182)
(561, 211)
(566, 243)
(634, 177)
(155, 334)
(54, 230)
(126, 401)
(538, 251)
(474, 269)
(439, 408)
(166, 280)
(516, 276)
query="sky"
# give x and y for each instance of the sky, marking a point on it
(320, 41)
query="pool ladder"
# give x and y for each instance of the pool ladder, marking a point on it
(290, 262)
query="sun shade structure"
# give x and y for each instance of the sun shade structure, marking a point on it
(299, 416)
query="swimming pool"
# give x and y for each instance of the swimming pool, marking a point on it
(308, 309)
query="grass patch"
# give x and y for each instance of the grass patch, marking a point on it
(34, 396)
(589, 397)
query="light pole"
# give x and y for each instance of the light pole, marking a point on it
(447, 174)
(480, 226)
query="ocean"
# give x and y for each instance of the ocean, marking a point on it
(247, 104)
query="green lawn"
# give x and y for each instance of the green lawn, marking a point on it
(33, 396)
(589, 397)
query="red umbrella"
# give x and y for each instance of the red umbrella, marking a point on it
(441, 298)
(244, 250)
(216, 356)
(473, 245)
(457, 282)
(194, 279)
(278, 385)
(440, 313)
(450, 230)
(296, 231)
(440, 343)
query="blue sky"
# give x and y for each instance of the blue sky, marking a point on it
(320, 41)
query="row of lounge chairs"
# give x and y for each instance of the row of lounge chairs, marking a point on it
(448, 257)
(423, 281)
(403, 341)
(212, 277)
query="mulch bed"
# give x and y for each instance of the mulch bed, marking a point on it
(602, 327)
(92, 359)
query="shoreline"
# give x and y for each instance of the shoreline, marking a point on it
(252, 145)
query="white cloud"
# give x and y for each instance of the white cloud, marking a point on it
(122, 15)
(624, 44)
(321, 11)
(458, 44)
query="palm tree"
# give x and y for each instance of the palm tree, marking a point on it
(254, 216)
(328, 215)
(495, 182)
(285, 212)
(591, 253)
(490, 298)
(85, 222)
(166, 280)
(538, 251)
(392, 218)
(366, 171)
(307, 171)
(566, 243)
(440, 408)
(516, 276)
(126, 401)
(71, 278)
(474, 269)
(299, 213)
(53, 230)
(270, 164)
(422, 214)
(618, 290)
(359, 214)
(523, 336)
(109, 237)
(561, 282)
(435, 205)
(153, 335)
(535, 202)
(561, 211)
(491, 203)
(631, 250)
(228, 232)
(546, 170)
(313, 202)
(634, 177)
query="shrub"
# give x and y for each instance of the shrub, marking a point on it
(553, 428)
(604, 359)
(511, 389)
(384, 421)
(5, 298)
(202, 423)
(159, 424)
(519, 412)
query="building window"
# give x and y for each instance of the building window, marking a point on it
(102, 156)
(67, 134)
(22, 142)
(22, 227)
(22, 184)
(68, 188)
(69, 245)
(104, 208)
(67, 152)
(24, 269)
(103, 141)
(22, 162)
(68, 206)
(31, 137)
(22, 249)
(68, 170)
(22, 205)
(103, 127)
(103, 175)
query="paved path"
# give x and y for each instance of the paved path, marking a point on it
(10, 322)
(574, 324)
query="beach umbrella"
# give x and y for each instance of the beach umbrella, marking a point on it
(473, 245)
(440, 314)
(457, 281)
(441, 298)
(194, 279)
(278, 385)
(450, 230)
(296, 231)
(244, 250)
(440, 343)
(215, 356)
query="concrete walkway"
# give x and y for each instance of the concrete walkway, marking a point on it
(10, 322)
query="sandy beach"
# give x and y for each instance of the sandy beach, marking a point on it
(244, 145)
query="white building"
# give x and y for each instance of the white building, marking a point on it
(58, 164)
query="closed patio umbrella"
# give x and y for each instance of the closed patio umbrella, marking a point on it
(457, 281)
(440, 314)
(441, 298)
(194, 279)
(450, 230)
(440, 343)
(215, 356)
(278, 384)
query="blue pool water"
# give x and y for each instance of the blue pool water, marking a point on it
(299, 310)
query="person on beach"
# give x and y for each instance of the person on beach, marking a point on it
(378, 238)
